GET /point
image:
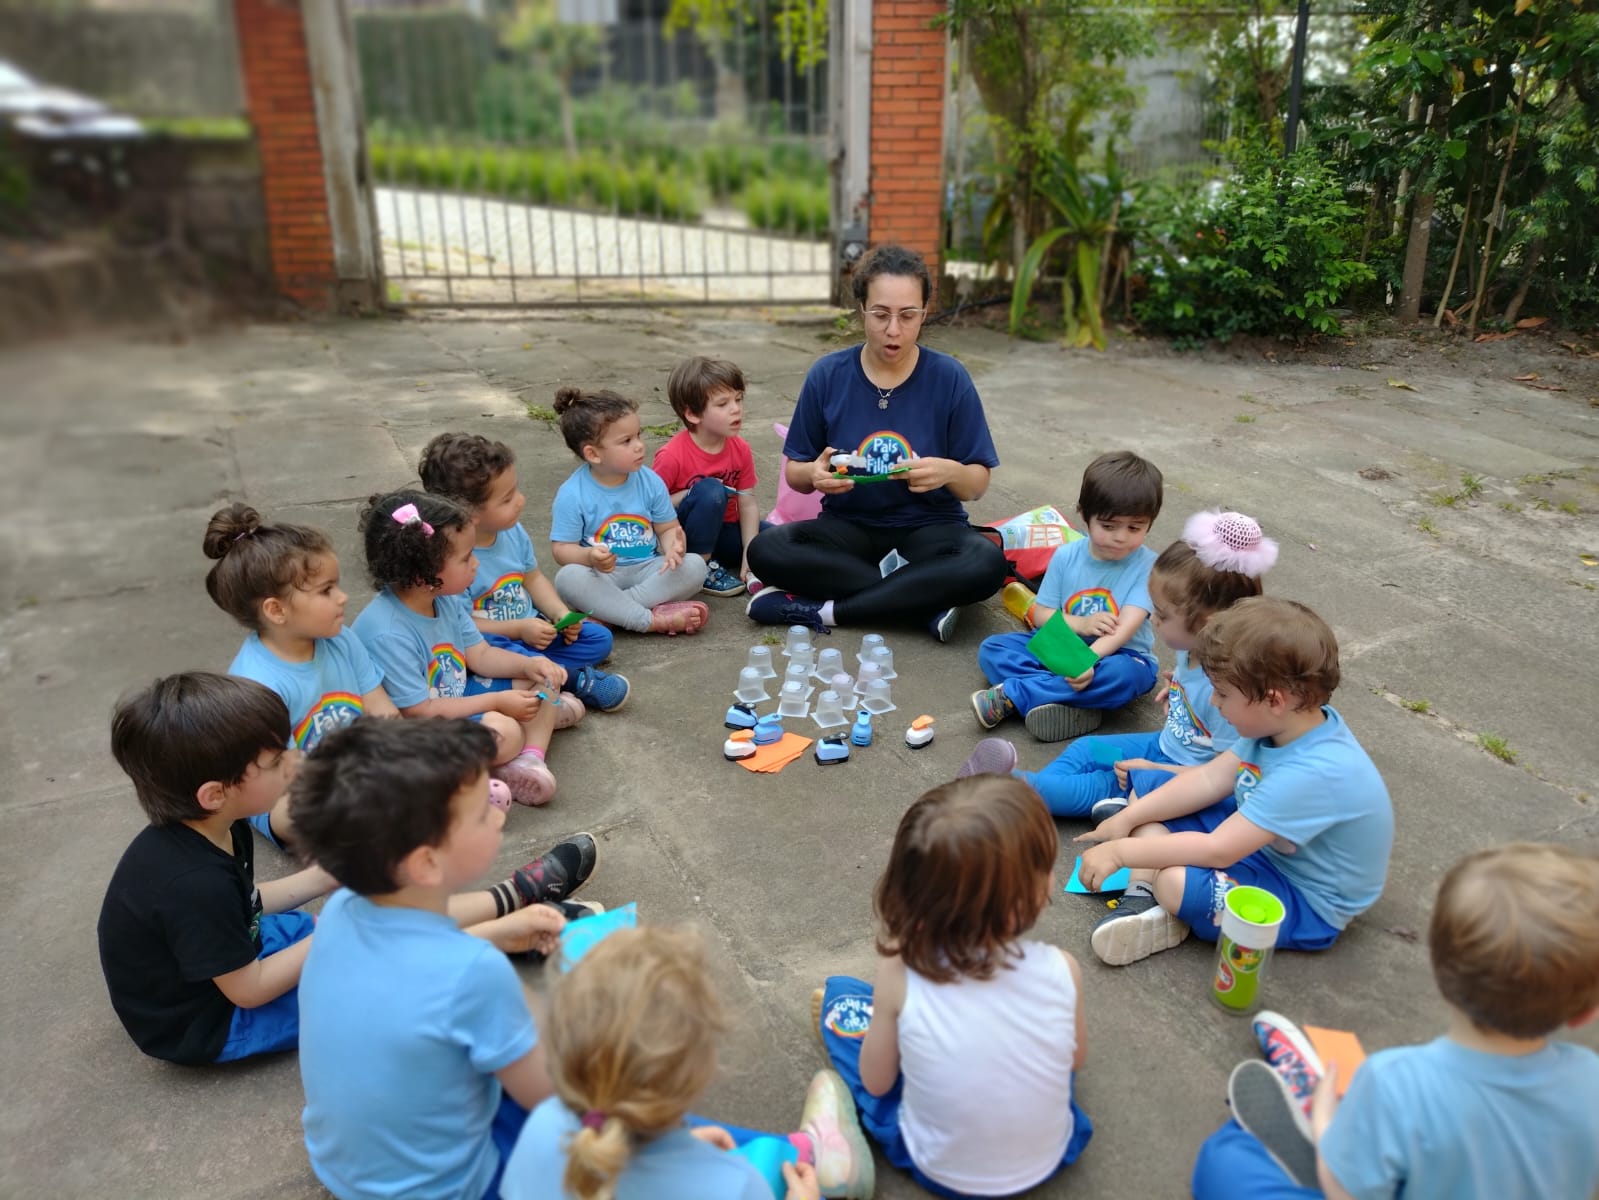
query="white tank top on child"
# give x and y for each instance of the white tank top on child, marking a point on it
(986, 1107)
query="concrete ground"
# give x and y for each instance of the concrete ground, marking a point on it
(115, 451)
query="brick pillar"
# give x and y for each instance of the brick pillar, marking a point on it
(908, 73)
(277, 87)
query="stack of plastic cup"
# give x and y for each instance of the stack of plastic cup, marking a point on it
(799, 674)
(830, 710)
(829, 663)
(843, 684)
(870, 673)
(884, 657)
(793, 700)
(751, 686)
(760, 658)
(798, 635)
(877, 697)
(869, 643)
(802, 654)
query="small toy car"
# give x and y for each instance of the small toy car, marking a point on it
(769, 730)
(861, 735)
(740, 716)
(920, 733)
(739, 745)
(833, 749)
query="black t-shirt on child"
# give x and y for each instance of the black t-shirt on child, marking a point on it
(178, 912)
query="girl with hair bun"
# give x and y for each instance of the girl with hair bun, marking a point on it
(419, 630)
(613, 529)
(1218, 561)
(630, 1044)
(281, 582)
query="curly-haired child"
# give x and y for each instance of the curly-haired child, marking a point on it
(513, 604)
(613, 529)
(1218, 561)
(630, 1044)
(965, 1007)
(435, 662)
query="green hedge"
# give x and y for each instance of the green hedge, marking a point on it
(422, 70)
(540, 177)
(795, 206)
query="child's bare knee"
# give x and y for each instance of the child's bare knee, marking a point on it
(507, 736)
(1169, 886)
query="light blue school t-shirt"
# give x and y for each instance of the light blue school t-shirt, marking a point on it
(404, 1019)
(623, 517)
(1322, 797)
(323, 694)
(1445, 1122)
(1082, 585)
(422, 658)
(499, 589)
(674, 1166)
(1195, 731)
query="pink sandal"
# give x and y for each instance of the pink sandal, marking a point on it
(678, 613)
(569, 710)
(531, 782)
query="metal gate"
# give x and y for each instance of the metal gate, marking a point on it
(552, 152)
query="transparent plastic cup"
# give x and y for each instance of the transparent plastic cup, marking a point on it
(804, 655)
(870, 673)
(799, 674)
(878, 697)
(792, 700)
(829, 663)
(884, 657)
(760, 658)
(751, 686)
(869, 642)
(843, 684)
(830, 710)
(798, 635)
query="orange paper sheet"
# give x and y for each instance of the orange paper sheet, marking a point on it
(1337, 1047)
(772, 758)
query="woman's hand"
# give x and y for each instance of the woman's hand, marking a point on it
(930, 474)
(822, 477)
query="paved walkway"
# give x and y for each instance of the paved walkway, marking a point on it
(115, 451)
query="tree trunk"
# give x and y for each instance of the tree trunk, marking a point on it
(1534, 256)
(1499, 195)
(568, 121)
(1454, 263)
(1415, 274)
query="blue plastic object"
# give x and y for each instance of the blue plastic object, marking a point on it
(861, 735)
(767, 1155)
(579, 937)
(833, 749)
(769, 730)
(740, 716)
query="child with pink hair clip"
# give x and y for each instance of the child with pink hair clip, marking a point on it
(1218, 561)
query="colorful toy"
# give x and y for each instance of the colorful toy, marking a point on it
(855, 468)
(740, 716)
(861, 735)
(768, 730)
(833, 749)
(739, 745)
(920, 733)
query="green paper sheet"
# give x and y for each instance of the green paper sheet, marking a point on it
(1061, 650)
(571, 618)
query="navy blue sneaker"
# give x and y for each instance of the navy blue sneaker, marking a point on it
(719, 581)
(600, 690)
(942, 626)
(773, 607)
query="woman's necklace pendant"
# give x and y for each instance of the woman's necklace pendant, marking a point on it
(882, 396)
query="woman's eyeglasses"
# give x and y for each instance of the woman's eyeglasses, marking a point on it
(882, 317)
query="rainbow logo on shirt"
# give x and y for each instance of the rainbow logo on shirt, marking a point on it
(627, 535)
(1246, 781)
(884, 450)
(1092, 600)
(849, 1017)
(1182, 722)
(506, 599)
(446, 672)
(334, 711)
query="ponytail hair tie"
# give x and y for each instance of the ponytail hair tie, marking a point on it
(406, 514)
(241, 535)
(1230, 541)
(594, 1119)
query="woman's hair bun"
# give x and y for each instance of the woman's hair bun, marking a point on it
(227, 526)
(566, 397)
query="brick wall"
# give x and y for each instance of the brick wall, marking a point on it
(908, 72)
(277, 88)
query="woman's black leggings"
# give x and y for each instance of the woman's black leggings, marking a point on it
(834, 559)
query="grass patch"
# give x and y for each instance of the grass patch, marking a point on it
(1547, 478)
(1510, 506)
(1570, 508)
(1417, 706)
(1446, 499)
(538, 412)
(1470, 486)
(1428, 525)
(1497, 746)
(1245, 418)
(771, 638)
(664, 429)
(1542, 505)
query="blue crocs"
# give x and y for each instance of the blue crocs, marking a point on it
(600, 690)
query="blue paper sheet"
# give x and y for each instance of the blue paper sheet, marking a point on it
(1116, 883)
(582, 935)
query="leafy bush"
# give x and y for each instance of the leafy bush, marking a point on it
(1270, 252)
(422, 70)
(794, 206)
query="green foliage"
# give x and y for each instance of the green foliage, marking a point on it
(1418, 706)
(801, 25)
(1497, 746)
(16, 189)
(1270, 253)
(421, 70)
(795, 206)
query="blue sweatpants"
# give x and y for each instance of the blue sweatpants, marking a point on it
(275, 1025)
(592, 645)
(846, 1015)
(1232, 1163)
(1080, 777)
(1119, 678)
(1205, 889)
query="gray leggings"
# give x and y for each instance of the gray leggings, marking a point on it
(625, 596)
